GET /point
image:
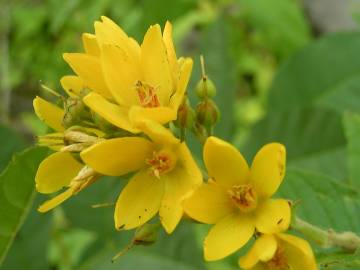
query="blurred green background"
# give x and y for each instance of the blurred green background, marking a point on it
(286, 70)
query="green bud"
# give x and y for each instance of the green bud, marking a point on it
(146, 234)
(75, 112)
(185, 115)
(207, 113)
(205, 88)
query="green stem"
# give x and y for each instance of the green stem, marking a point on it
(329, 238)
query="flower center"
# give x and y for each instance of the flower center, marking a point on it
(162, 162)
(279, 261)
(147, 95)
(244, 197)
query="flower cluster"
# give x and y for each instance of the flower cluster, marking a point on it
(118, 118)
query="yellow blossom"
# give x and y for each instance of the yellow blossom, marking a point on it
(130, 82)
(165, 174)
(60, 169)
(237, 198)
(279, 252)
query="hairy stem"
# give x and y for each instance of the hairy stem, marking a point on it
(347, 241)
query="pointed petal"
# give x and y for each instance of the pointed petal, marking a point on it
(57, 200)
(139, 201)
(118, 156)
(263, 250)
(108, 32)
(227, 236)
(115, 114)
(72, 85)
(157, 133)
(88, 68)
(273, 216)
(209, 204)
(156, 69)
(50, 114)
(268, 169)
(182, 82)
(179, 184)
(56, 171)
(225, 163)
(121, 74)
(298, 252)
(90, 44)
(160, 115)
(170, 50)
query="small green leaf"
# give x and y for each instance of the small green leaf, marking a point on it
(16, 194)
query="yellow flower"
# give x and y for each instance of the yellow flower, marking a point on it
(131, 82)
(59, 169)
(165, 174)
(237, 199)
(279, 252)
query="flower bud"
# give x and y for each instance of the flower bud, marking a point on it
(75, 112)
(207, 113)
(146, 234)
(185, 115)
(205, 88)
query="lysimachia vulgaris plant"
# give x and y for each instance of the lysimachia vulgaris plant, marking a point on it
(126, 112)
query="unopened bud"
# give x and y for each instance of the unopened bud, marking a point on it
(75, 112)
(205, 88)
(207, 113)
(146, 234)
(185, 115)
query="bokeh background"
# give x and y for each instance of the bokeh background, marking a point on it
(285, 70)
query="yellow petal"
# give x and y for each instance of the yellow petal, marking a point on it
(56, 171)
(157, 133)
(273, 216)
(118, 156)
(116, 115)
(182, 82)
(156, 69)
(209, 204)
(227, 236)
(121, 74)
(90, 44)
(179, 184)
(50, 114)
(263, 249)
(170, 50)
(224, 163)
(139, 201)
(268, 169)
(72, 85)
(298, 252)
(88, 68)
(57, 200)
(108, 32)
(161, 115)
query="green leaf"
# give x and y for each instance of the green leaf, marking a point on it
(320, 73)
(352, 131)
(288, 36)
(336, 260)
(16, 194)
(13, 143)
(323, 201)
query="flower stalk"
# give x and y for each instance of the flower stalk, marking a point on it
(348, 241)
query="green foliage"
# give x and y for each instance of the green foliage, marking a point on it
(16, 194)
(311, 106)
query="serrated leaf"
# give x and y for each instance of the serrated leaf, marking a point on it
(16, 194)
